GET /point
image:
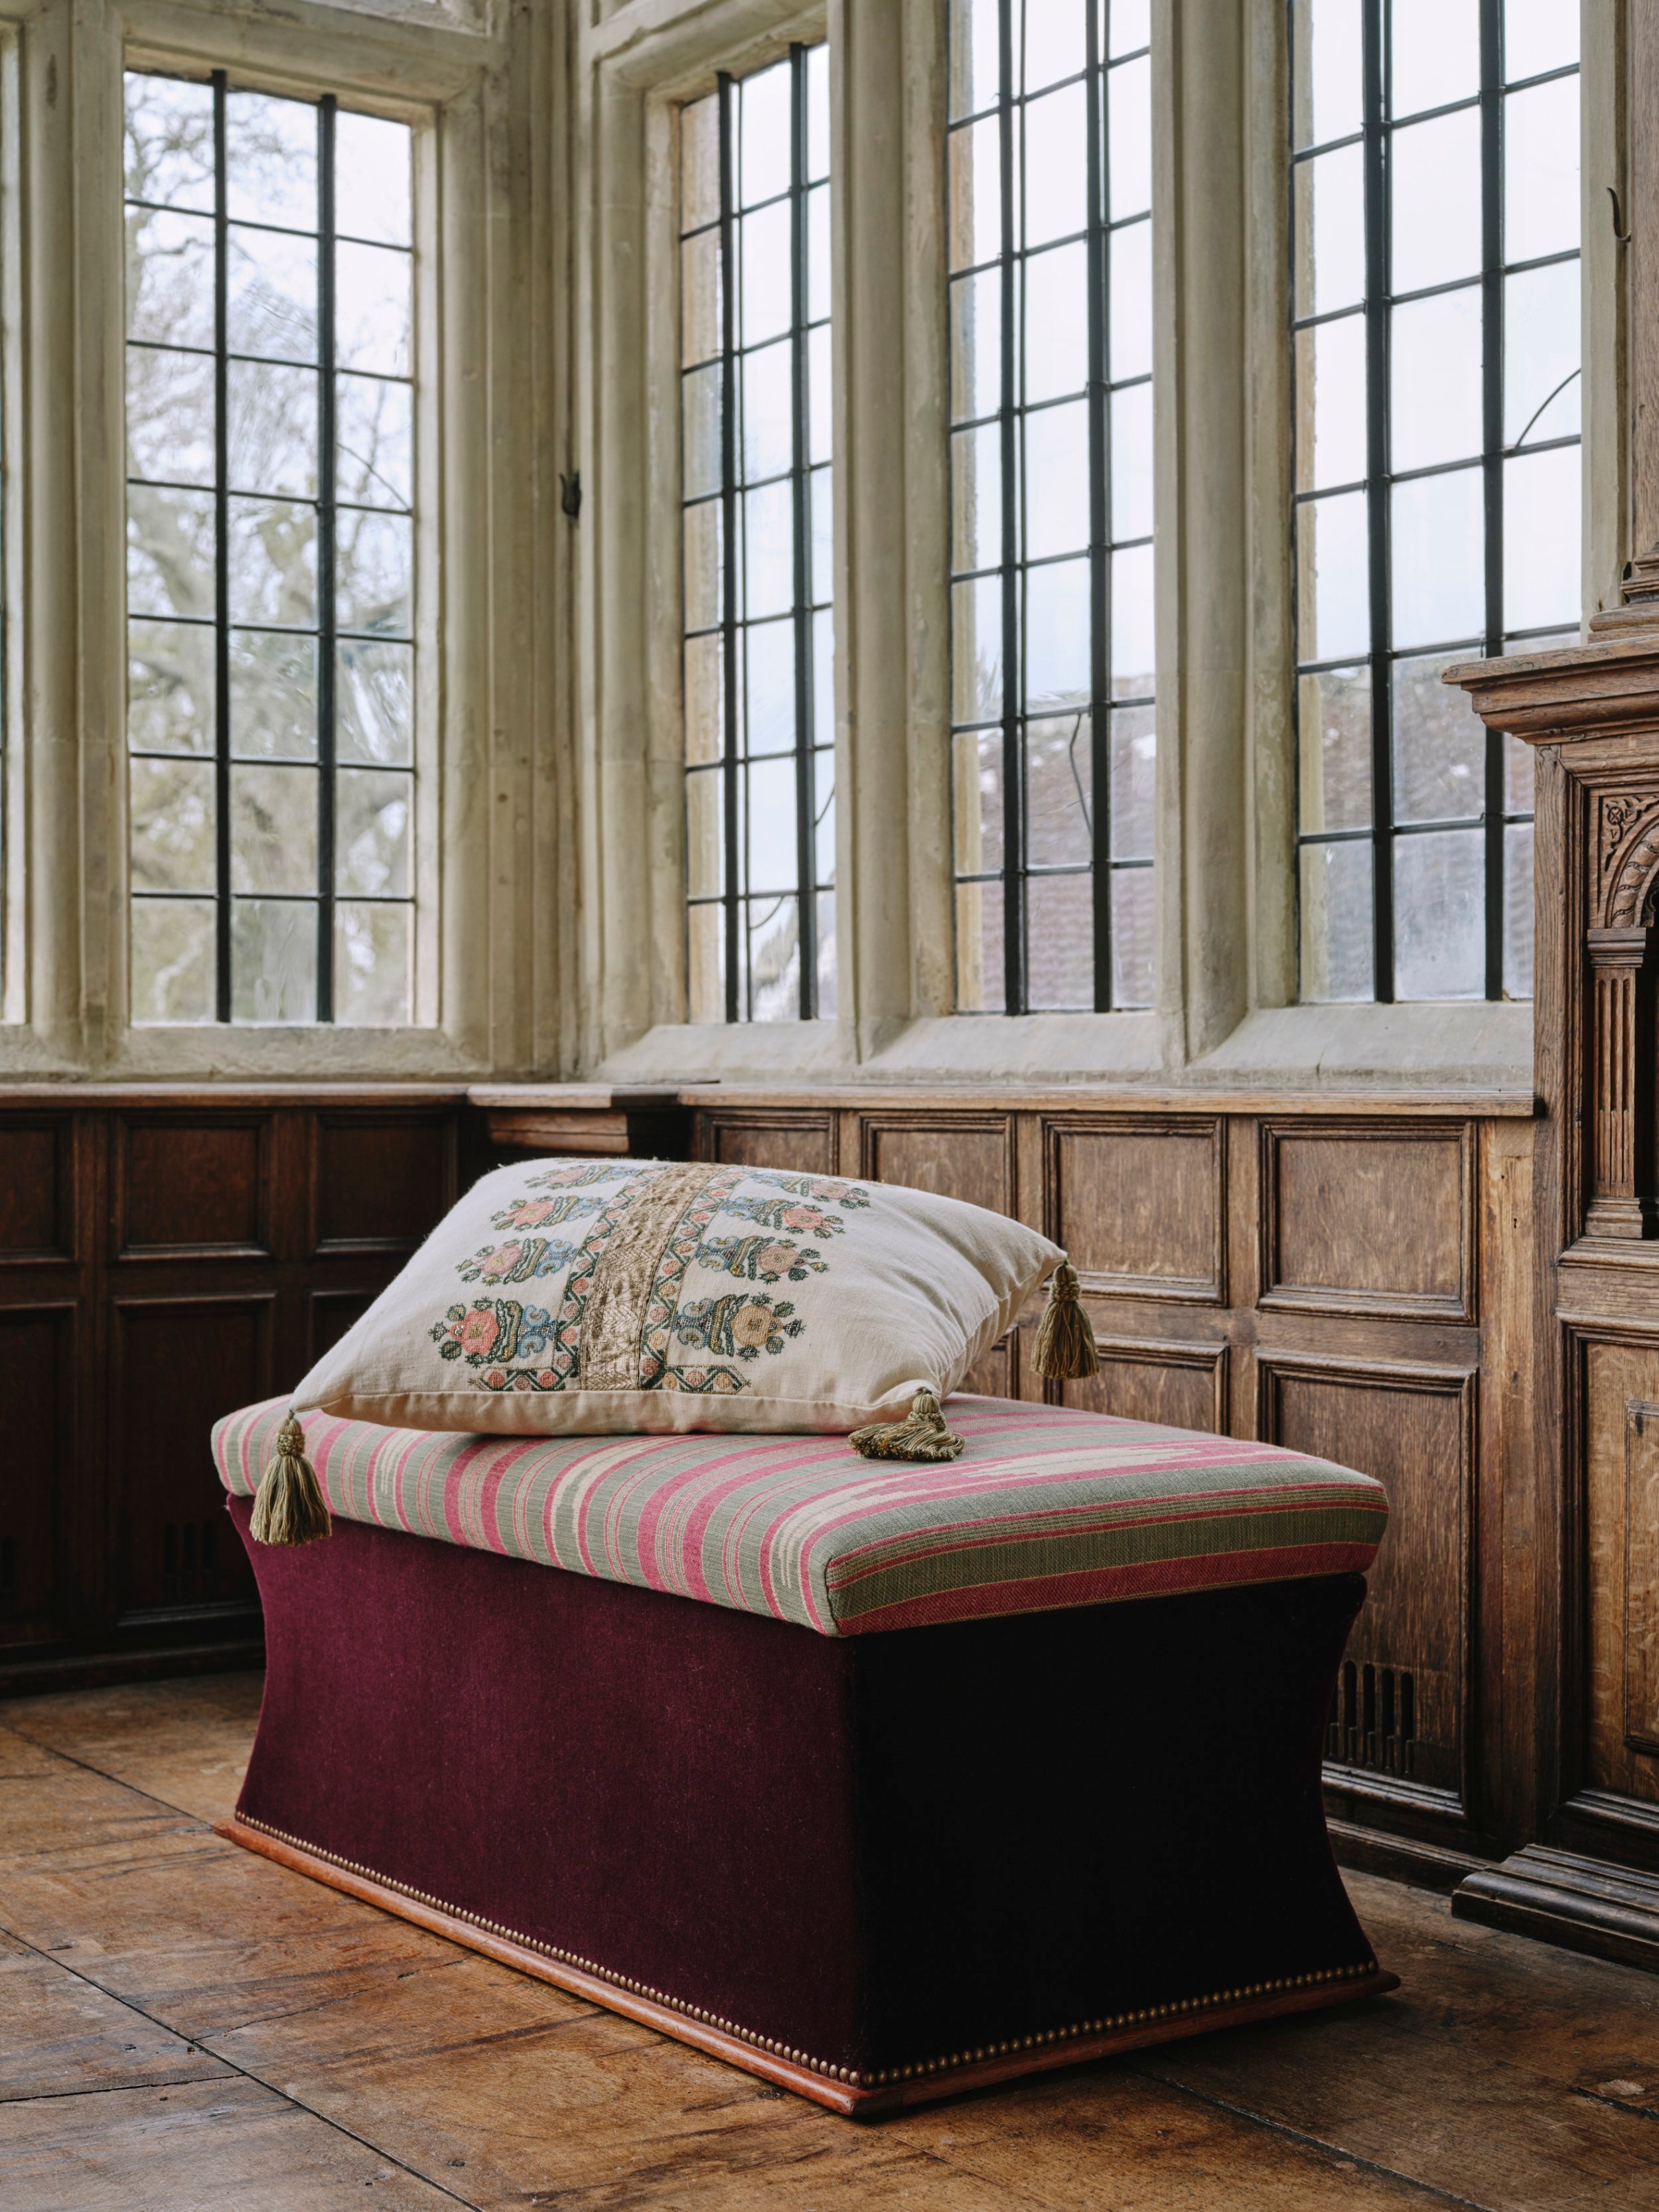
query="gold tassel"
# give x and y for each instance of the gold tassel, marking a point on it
(924, 1435)
(1065, 1347)
(289, 1507)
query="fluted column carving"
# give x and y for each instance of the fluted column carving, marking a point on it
(1621, 1082)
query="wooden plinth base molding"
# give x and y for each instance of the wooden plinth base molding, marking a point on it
(922, 2084)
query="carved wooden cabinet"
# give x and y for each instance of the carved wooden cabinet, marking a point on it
(1583, 1649)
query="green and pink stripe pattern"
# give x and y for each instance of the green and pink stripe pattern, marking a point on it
(1047, 1506)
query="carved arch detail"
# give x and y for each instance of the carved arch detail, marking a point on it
(1627, 851)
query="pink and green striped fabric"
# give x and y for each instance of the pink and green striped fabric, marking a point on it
(1047, 1507)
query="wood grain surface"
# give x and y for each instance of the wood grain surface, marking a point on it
(184, 2024)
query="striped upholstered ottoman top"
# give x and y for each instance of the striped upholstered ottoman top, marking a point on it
(1047, 1507)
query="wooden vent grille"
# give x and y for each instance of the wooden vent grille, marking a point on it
(1373, 1718)
(190, 1561)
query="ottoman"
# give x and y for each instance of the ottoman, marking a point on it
(882, 1781)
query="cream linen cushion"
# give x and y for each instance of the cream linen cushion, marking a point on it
(577, 1297)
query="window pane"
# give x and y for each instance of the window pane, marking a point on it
(1435, 53)
(1437, 201)
(173, 818)
(1331, 405)
(1330, 232)
(763, 133)
(1439, 554)
(700, 280)
(170, 687)
(273, 695)
(271, 295)
(1131, 349)
(1054, 43)
(372, 831)
(1439, 915)
(1434, 368)
(1333, 715)
(976, 650)
(1336, 921)
(1129, 138)
(170, 278)
(772, 816)
(1058, 793)
(273, 829)
(1518, 911)
(169, 142)
(1057, 480)
(374, 687)
(1129, 26)
(1540, 170)
(1060, 943)
(1538, 36)
(372, 178)
(172, 960)
(1542, 537)
(373, 963)
(975, 34)
(977, 802)
(273, 960)
(252, 596)
(1542, 385)
(768, 550)
(770, 691)
(975, 207)
(976, 497)
(1132, 462)
(700, 163)
(979, 968)
(1333, 577)
(1134, 649)
(1327, 37)
(1439, 744)
(1134, 763)
(976, 342)
(1132, 926)
(1056, 327)
(768, 413)
(1056, 138)
(774, 953)
(1057, 634)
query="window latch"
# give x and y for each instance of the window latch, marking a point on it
(570, 494)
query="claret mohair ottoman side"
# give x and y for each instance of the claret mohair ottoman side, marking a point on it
(883, 1782)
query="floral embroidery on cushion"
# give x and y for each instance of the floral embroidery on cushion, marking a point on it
(571, 1175)
(517, 1263)
(760, 1259)
(544, 1212)
(740, 1325)
(781, 1213)
(825, 1187)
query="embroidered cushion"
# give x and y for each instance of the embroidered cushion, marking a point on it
(575, 1297)
(1048, 1506)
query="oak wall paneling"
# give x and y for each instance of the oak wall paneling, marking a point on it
(1366, 1218)
(1140, 1204)
(166, 1255)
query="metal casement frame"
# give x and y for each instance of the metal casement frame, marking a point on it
(807, 935)
(221, 912)
(1100, 517)
(327, 556)
(730, 561)
(1377, 138)
(1095, 234)
(1013, 577)
(1377, 243)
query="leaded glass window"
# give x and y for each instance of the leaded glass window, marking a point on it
(270, 498)
(1052, 737)
(759, 650)
(1435, 219)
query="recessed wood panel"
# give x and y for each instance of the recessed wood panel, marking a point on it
(993, 1374)
(1413, 1429)
(1369, 1217)
(1140, 1205)
(1620, 1431)
(380, 1181)
(329, 1315)
(36, 1200)
(192, 1188)
(178, 1365)
(1184, 1386)
(35, 1351)
(803, 1144)
(966, 1157)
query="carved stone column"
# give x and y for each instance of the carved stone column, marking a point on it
(1621, 1079)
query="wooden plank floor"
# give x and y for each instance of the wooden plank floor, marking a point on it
(184, 2025)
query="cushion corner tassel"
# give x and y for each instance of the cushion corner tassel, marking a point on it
(1065, 1348)
(289, 1507)
(923, 1436)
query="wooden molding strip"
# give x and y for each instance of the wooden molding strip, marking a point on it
(927, 2083)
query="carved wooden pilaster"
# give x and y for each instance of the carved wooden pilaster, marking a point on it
(1621, 1085)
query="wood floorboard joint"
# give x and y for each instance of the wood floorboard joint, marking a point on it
(246, 2073)
(1313, 2143)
